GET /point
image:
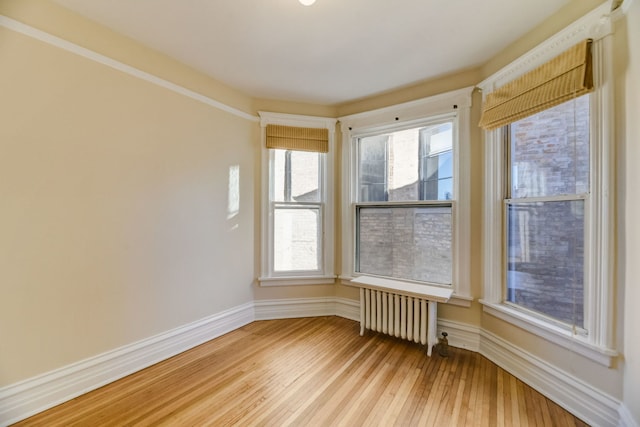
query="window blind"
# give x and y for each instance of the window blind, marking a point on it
(564, 77)
(297, 138)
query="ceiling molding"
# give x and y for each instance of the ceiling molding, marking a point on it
(60, 43)
(595, 24)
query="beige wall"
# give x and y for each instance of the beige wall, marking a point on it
(48, 16)
(115, 221)
(628, 103)
(623, 379)
(609, 380)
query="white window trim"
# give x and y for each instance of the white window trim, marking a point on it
(598, 344)
(325, 274)
(406, 114)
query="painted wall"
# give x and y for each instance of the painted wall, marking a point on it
(127, 209)
(118, 216)
(608, 380)
(628, 96)
(48, 16)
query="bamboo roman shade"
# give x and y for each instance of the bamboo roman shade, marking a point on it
(296, 138)
(566, 76)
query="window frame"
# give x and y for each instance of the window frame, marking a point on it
(455, 105)
(597, 343)
(325, 273)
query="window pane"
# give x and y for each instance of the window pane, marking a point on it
(405, 242)
(296, 176)
(373, 168)
(550, 151)
(407, 165)
(545, 253)
(296, 243)
(437, 181)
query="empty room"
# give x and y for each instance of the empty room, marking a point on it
(319, 213)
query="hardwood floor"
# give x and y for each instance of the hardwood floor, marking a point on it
(312, 372)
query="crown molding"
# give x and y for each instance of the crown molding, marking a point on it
(60, 43)
(596, 25)
(269, 118)
(443, 103)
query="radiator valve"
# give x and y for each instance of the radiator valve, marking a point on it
(443, 345)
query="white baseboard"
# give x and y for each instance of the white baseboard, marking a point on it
(581, 399)
(294, 307)
(347, 308)
(460, 335)
(626, 419)
(26, 398)
(307, 307)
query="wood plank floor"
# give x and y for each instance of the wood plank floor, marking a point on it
(312, 372)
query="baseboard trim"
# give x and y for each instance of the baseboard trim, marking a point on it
(306, 307)
(626, 419)
(460, 335)
(581, 399)
(293, 308)
(26, 398)
(348, 308)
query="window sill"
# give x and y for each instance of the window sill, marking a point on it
(432, 293)
(458, 300)
(551, 333)
(297, 280)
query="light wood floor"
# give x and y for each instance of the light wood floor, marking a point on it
(312, 372)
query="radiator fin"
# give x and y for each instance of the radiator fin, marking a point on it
(403, 316)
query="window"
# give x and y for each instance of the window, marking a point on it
(405, 199)
(297, 216)
(548, 187)
(548, 216)
(411, 237)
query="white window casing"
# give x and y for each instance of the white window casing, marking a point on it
(325, 273)
(454, 105)
(598, 342)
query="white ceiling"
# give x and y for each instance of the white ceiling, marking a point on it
(331, 52)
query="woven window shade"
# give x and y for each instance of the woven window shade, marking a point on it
(566, 76)
(299, 139)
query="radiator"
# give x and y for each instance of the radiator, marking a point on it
(407, 317)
